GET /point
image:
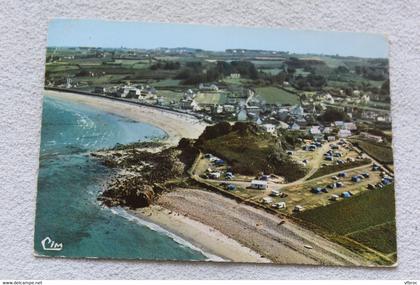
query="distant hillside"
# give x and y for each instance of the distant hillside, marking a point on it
(249, 150)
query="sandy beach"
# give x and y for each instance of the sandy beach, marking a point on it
(176, 125)
(288, 243)
(208, 239)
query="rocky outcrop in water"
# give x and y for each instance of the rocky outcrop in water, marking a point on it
(140, 172)
(132, 192)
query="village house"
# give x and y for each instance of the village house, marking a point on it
(283, 125)
(229, 108)
(344, 133)
(235, 75)
(269, 128)
(326, 130)
(350, 126)
(297, 111)
(314, 130)
(331, 138)
(208, 87)
(189, 104)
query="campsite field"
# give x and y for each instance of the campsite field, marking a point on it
(338, 167)
(274, 95)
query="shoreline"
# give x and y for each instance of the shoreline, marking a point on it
(210, 222)
(207, 239)
(216, 246)
(176, 125)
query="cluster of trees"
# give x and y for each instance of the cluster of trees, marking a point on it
(167, 65)
(372, 72)
(309, 83)
(294, 63)
(332, 115)
(196, 72)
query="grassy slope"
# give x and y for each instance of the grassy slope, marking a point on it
(381, 237)
(248, 154)
(380, 152)
(358, 216)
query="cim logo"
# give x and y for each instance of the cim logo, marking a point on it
(48, 244)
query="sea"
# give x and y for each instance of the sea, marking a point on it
(70, 222)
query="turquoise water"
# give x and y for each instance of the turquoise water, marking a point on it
(69, 182)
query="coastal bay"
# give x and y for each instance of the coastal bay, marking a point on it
(176, 125)
(203, 239)
(70, 181)
(215, 224)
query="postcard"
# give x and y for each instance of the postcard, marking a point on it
(179, 142)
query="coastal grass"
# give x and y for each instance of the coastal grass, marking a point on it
(366, 218)
(274, 95)
(328, 169)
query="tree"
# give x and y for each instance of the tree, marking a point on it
(332, 115)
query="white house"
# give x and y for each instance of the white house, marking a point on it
(350, 126)
(344, 133)
(339, 124)
(331, 138)
(235, 75)
(269, 128)
(315, 130)
(259, 184)
(283, 125)
(229, 108)
(326, 130)
(328, 98)
(208, 87)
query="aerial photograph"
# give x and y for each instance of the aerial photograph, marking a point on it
(180, 142)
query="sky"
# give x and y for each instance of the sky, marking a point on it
(115, 34)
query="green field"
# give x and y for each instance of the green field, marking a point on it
(274, 95)
(368, 212)
(166, 83)
(380, 237)
(170, 95)
(235, 81)
(380, 152)
(272, 71)
(211, 98)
